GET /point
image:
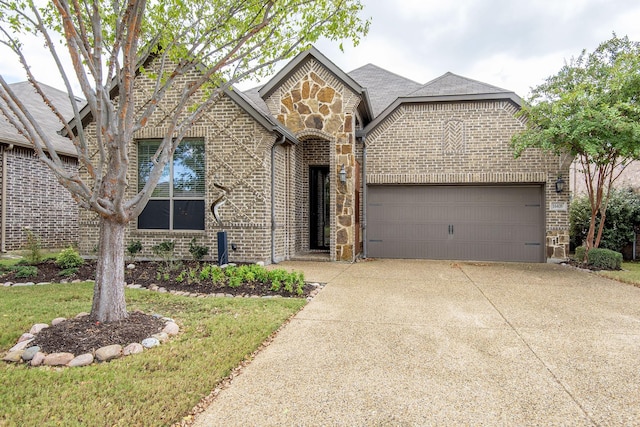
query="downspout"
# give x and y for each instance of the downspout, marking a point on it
(273, 198)
(364, 194)
(3, 217)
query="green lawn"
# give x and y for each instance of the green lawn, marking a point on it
(630, 273)
(158, 387)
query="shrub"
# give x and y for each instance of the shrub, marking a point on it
(25, 271)
(33, 247)
(604, 259)
(623, 212)
(69, 258)
(68, 272)
(197, 252)
(164, 250)
(134, 248)
(580, 253)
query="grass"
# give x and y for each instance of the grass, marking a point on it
(155, 388)
(630, 273)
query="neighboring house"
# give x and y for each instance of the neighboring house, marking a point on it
(341, 165)
(30, 195)
(629, 178)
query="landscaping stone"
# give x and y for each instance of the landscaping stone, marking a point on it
(171, 328)
(82, 360)
(57, 359)
(43, 283)
(26, 336)
(150, 342)
(22, 345)
(30, 352)
(161, 336)
(37, 328)
(82, 314)
(58, 320)
(131, 266)
(38, 358)
(104, 354)
(133, 348)
(13, 356)
(24, 284)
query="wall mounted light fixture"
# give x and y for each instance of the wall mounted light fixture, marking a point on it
(559, 184)
(342, 174)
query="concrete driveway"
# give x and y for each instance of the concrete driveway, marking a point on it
(404, 343)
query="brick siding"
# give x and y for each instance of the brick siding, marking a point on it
(35, 199)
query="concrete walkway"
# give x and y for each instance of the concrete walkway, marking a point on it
(411, 343)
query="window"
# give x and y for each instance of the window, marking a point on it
(177, 203)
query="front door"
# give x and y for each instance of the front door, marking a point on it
(319, 207)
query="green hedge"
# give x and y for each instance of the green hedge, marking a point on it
(604, 259)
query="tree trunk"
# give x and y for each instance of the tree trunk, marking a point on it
(108, 293)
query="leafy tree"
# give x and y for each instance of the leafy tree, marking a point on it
(591, 111)
(212, 44)
(623, 213)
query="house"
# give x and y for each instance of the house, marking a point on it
(30, 195)
(319, 162)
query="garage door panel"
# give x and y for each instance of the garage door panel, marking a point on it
(456, 222)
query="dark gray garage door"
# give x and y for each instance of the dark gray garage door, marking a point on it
(490, 223)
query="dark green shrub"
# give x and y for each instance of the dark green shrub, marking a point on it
(580, 253)
(604, 259)
(623, 211)
(134, 248)
(197, 252)
(25, 271)
(69, 258)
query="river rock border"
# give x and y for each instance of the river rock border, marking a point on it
(22, 352)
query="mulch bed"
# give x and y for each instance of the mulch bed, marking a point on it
(146, 274)
(85, 335)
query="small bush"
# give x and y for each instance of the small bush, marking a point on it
(33, 246)
(68, 272)
(197, 252)
(69, 258)
(604, 259)
(134, 248)
(26, 271)
(580, 253)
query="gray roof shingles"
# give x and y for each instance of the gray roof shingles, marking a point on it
(383, 86)
(43, 114)
(453, 84)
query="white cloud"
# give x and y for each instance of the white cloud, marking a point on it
(513, 44)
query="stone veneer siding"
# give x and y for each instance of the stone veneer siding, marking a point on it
(238, 156)
(464, 143)
(316, 105)
(35, 199)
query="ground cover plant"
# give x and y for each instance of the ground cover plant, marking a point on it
(157, 387)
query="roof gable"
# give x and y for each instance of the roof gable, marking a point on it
(383, 86)
(285, 73)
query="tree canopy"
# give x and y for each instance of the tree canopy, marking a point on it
(198, 49)
(590, 110)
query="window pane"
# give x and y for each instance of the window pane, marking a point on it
(155, 215)
(188, 169)
(188, 215)
(146, 150)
